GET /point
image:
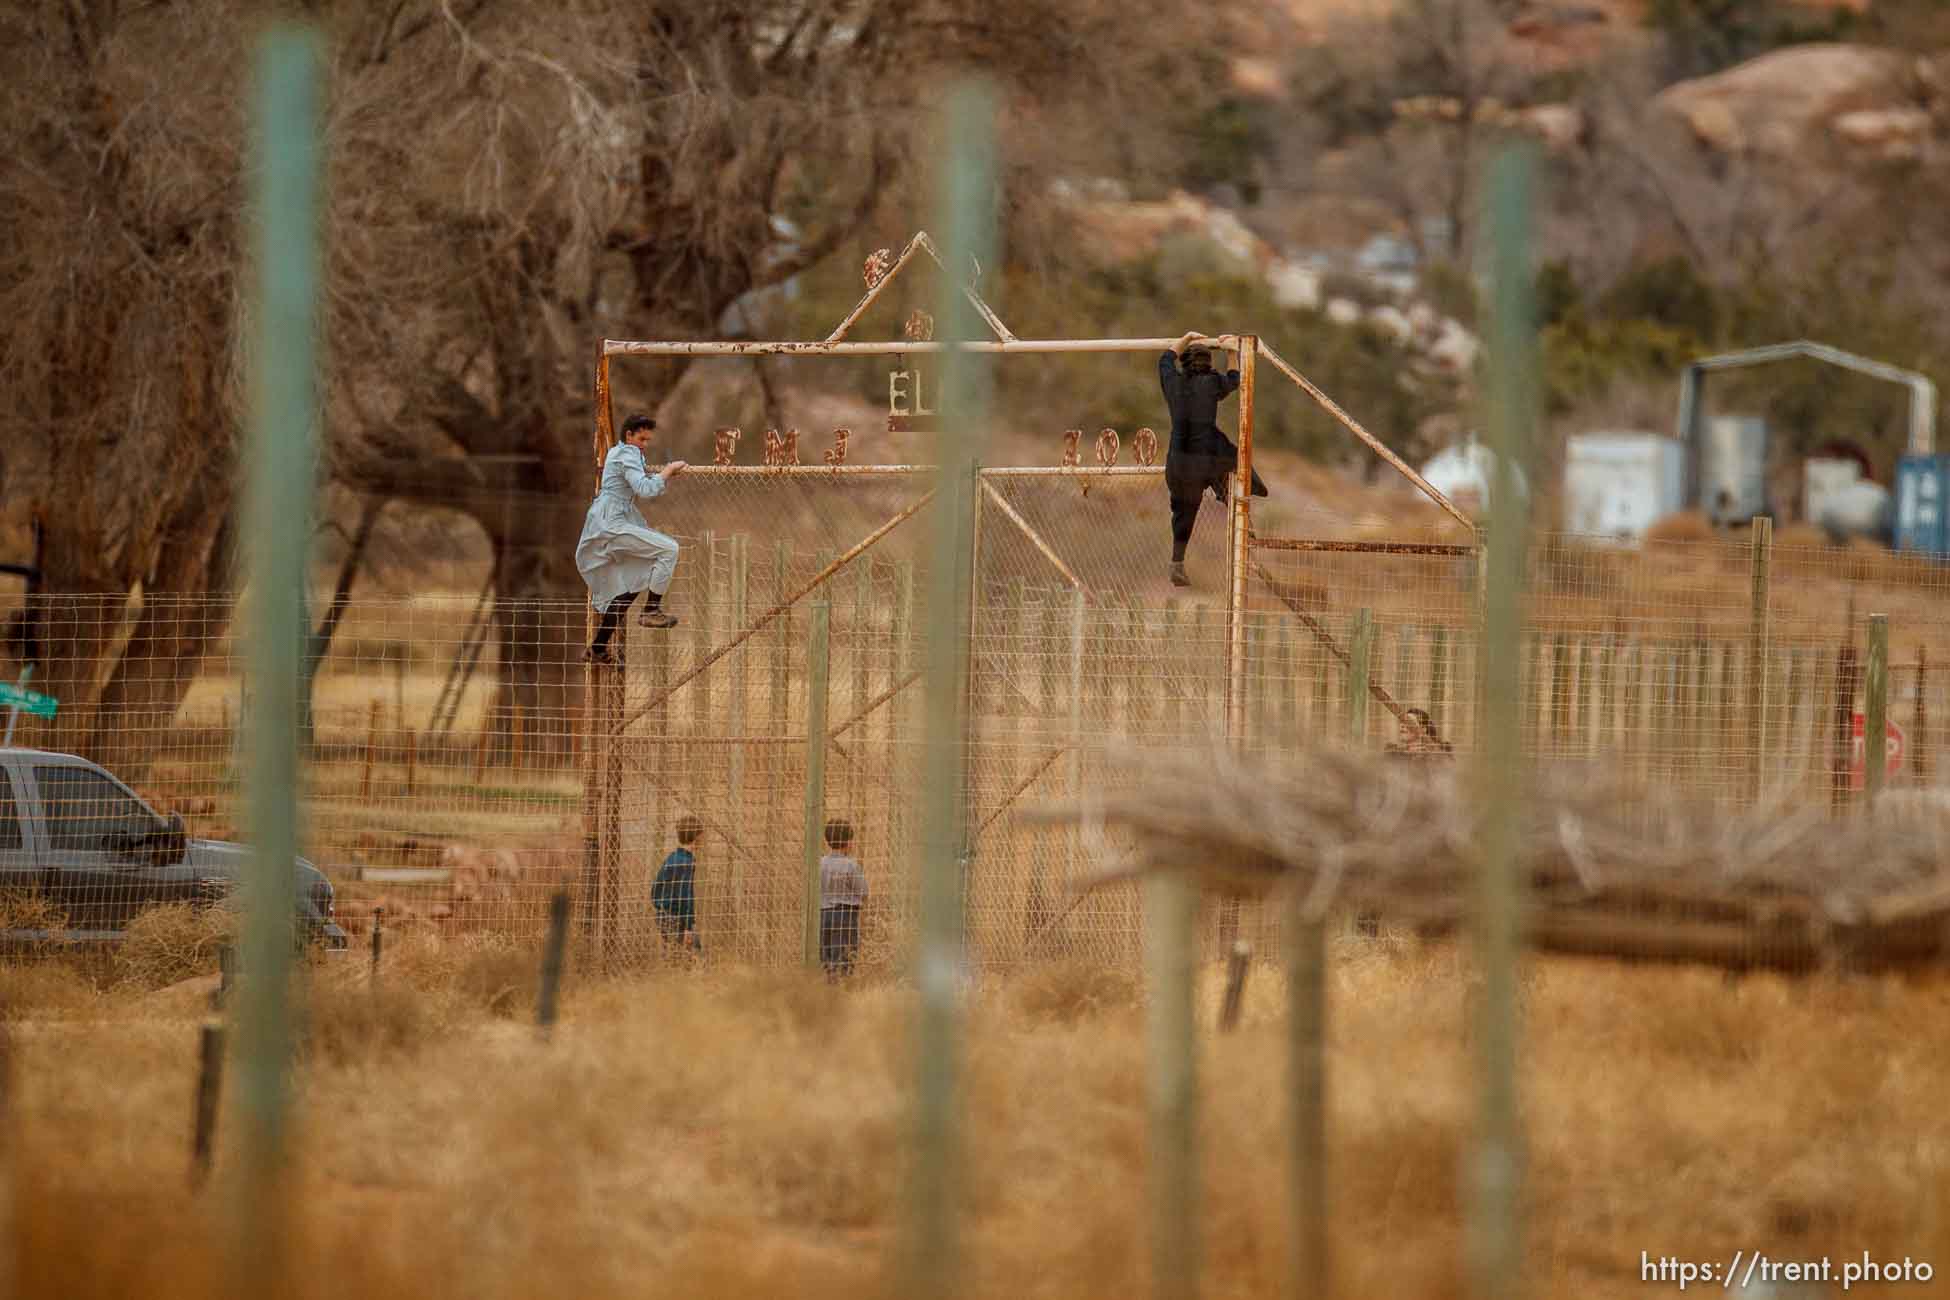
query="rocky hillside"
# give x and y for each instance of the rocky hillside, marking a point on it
(1825, 104)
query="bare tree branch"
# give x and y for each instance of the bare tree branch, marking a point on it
(813, 252)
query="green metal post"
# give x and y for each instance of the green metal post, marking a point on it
(1360, 654)
(1797, 686)
(1309, 1266)
(818, 646)
(1558, 699)
(1875, 719)
(1584, 705)
(1079, 633)
(1757, 651)
(1605, 729)
(740, 933)
(1171, 916)
(1495, 1225)
(1438, 677)
(281, 472)
(967, 196)
(1404, 683)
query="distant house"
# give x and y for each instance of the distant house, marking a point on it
(1465, 472)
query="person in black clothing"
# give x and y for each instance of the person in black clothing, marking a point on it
(1201, 457)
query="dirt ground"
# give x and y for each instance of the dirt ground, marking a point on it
(724, 1133)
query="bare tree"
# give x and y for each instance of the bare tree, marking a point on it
(650, 169)
(1423, 92)
(117, 254)
(509, 183)
(120, 311)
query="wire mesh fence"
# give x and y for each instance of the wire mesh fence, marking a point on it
(1730, 669)
(463, 772)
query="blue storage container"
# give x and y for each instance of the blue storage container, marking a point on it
(1922, 495)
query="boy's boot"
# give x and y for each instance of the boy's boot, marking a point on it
(1178, 578)
(653, 614)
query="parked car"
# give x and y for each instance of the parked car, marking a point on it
(74, 835)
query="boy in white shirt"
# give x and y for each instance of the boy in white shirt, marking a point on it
(842, 893)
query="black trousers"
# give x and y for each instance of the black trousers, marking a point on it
(1189, 475)
(672, 928)
(1188, 481)
(606, 628)
(839, 938)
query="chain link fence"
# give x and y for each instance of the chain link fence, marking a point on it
(450, 775)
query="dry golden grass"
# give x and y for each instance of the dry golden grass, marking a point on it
(355, 1021)
(48, 989)
(1065, 992)
(735, 1133)
(25, 909)
(174, 942)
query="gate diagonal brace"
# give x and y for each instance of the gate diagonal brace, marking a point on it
(764, 620)
(1022, 786)
(859, 766)
(1326, 638)
(874, 704)
(1036, 540)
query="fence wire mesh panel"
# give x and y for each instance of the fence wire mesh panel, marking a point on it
(1729, 674)
(1081, 650)
(716, 713)
(1667, 659)
(452, 736)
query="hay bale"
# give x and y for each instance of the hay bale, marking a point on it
(1611, 867)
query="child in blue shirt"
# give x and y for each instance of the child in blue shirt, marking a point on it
(674, 894)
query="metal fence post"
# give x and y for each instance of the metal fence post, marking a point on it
(1919, 730)
(554, 945)
(1309, 1267)
(1875, 719)
(739, 934)
(1078, 630)
(930, 1267)
(280, 467)
(817, 647)
(1171, 916)
(1756, 740)
(1360, 654)
(1494, 1216)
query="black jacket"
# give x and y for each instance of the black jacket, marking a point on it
(1193, 401)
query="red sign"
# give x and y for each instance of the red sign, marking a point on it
(1892, 752)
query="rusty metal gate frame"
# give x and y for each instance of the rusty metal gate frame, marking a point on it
(601, 920)
(604, 716)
